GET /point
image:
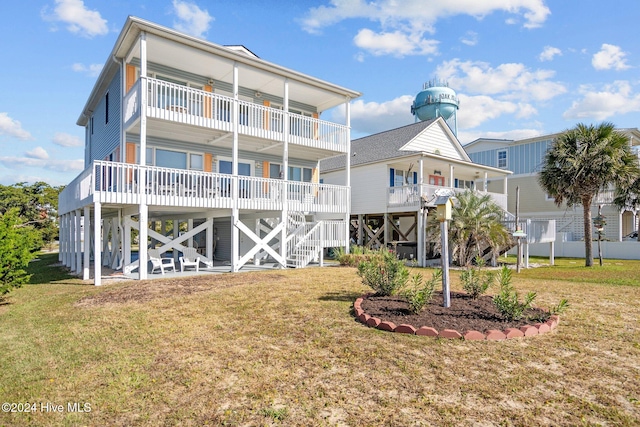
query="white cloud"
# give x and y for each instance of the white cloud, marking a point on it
(191, 19)
(92, 70)
(37, 153)
(11, 127)
(79, 19)
(66, 140)
(411, 19)
(373, 117)
(395, 43)
(476, 110)
(548, 53)
(48, 164)
(613, 99)
(610, 57)
(512, 81)
(470, 38)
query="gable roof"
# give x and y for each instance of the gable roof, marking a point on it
(400, 142)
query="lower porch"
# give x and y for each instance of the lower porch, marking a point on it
(215, 241)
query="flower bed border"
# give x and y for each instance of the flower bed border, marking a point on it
(489, 335)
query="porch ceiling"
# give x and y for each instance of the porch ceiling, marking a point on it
(433, 164)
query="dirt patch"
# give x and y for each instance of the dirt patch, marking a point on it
(148, 290)
(465, 314)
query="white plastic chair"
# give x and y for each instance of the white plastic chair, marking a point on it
(157, 262)
(190, 258)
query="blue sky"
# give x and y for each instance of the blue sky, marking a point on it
(521, 68)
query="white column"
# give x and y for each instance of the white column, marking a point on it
(504, 185)
(97, 244)
(235, 214)
(78, 241)
(176, 234)
(86, 243)
(143, 225)
(126, 242)
(60, 235)
(347, 216)
(69, 233)
(285, 172)
(63, 240)
(210, 237)
(452, 180)
(143, 210)
(421, 216)
(485, 183)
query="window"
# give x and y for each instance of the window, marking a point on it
(171, 159)
(196, 162)
(398, 180)
(300, 174)
(106, 108)
(502, 159)
(461, 183)
(274, 170)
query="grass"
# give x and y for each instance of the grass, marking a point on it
(282, 348)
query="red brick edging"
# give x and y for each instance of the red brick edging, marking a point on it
(490, 335)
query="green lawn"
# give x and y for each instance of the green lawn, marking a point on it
(282, 348)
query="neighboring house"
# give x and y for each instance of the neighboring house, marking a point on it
(395, 176)
(525, 159)
(198, 145)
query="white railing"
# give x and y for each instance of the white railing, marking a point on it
(178, 103)
(124, 183)
(411, 195)
(259, 193)
(311, 197)
(78, 193)
(604, 197)
(334, 234)
(304, 244)
(536, 230)
(131, 104)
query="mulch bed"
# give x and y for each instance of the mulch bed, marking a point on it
(465, 314)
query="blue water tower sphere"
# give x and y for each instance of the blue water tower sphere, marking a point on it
(436, 99)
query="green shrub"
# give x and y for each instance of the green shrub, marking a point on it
(476, 281)
(17, 243)
(560, 308)
(383, 272)
(418, 295)
(507, 301)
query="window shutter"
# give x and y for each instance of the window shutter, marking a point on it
(131, 76)
(415, 177)
(392, 176)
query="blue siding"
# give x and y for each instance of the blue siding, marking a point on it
(521, 158)
(106, 136)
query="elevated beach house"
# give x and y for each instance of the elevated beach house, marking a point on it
(396, 177)
(192, 145)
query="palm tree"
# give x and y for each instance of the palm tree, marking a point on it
(475, 225)
(581, 163)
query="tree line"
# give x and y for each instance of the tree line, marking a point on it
(28, 222)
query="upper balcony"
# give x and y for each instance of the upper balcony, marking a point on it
(183, 105)
(411, 196)
(129, 184)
